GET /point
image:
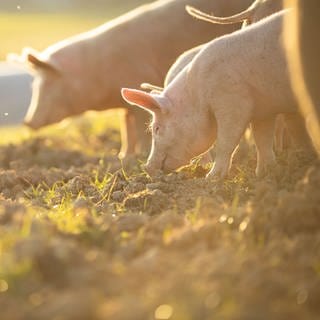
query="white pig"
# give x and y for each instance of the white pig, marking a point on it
(234, 80)
(88, 71)
(257, 11)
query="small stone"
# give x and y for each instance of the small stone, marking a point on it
(154, 186)
(135, 187)
(80, 203)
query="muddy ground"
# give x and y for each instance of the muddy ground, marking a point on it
(84, 237)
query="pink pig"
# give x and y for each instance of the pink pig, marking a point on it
(234, 80)
(87, 71)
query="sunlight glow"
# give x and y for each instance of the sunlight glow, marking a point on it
(223, 218)
(244, 224)
(163, 312)
(3, 285)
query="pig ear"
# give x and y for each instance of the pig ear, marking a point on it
(148, 101)
(152, 88)
(33, 58)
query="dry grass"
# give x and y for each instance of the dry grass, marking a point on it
(84, 238)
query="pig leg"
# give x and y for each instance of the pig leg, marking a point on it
(298, 132)
(134, 136)
(143, 143)
(128, 135)
(263, 133)
(280, 134)
(231, 125)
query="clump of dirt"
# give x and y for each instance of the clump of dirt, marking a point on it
(291, 212)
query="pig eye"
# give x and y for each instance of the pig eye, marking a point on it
(156, 130)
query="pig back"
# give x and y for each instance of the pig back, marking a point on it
(250, 62)
(143, 44)
(137, 47)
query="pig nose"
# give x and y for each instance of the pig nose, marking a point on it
(151, 171)
(29, 125)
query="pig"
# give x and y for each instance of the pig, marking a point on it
(303, 52)
(87, 71)
(289, 130)
(234, 80)
(258, 10)
(184, 59)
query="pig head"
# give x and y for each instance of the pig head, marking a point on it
(53, 97)
(175, 137)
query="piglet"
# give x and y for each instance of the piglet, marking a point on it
(234, 80)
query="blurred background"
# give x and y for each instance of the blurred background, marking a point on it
(38, 24)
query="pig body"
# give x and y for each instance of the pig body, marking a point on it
(292, 124)
(234, 80)
(257, 11)
(264, 9)
(87, 71)
(180, 63)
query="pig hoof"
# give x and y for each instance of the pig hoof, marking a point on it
(121, 155)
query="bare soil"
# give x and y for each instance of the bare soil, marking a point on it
(83, 236)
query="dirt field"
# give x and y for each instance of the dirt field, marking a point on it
(84, 237)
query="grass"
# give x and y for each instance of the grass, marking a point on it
(91, 123)
(13, 134)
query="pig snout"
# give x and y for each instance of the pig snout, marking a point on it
(166, 165)
(152, 169)
(155, 166)
(32, 120)
(31, 124)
